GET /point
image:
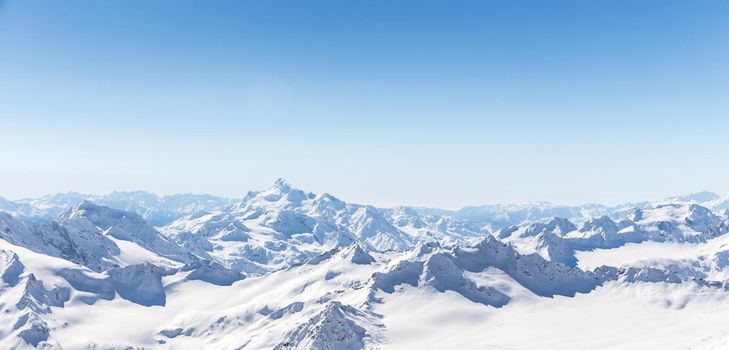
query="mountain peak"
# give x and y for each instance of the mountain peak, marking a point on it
(281, 189)
(282, 184)
(86, 204)
(94, 212)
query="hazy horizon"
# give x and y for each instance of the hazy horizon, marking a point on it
(720, 193)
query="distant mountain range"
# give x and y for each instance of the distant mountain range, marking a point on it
(157, 210)
(503, 215)
(162, 210)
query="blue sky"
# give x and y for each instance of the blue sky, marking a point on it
(438, 103)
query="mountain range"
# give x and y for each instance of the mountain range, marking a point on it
(282, 268)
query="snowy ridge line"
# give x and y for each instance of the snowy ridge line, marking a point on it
(162, 210)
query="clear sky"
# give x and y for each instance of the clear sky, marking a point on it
(437, 103)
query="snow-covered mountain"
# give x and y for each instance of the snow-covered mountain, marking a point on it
(283, 268)
(284, 226)
(558, 238)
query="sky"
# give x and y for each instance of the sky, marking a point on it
(432, 103)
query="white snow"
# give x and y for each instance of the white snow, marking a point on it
(633, 253)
